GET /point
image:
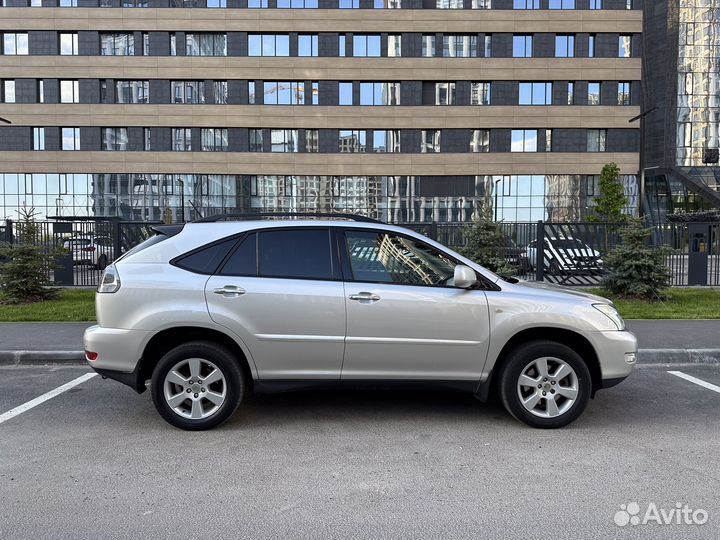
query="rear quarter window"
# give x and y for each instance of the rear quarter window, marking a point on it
(206, 259)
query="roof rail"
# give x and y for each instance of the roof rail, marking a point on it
(256, 215)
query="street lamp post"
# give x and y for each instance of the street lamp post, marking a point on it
(495, 189)
(182, 198)
(641, 187)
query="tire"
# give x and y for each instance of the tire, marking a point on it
(573, 380)
(102, 262)
(211, 403)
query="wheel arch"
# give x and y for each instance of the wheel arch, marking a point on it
(169, 338)
(570, 338)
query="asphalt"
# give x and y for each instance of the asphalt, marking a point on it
(663, 341)
(98, 462)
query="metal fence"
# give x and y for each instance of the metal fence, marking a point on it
(570, 253)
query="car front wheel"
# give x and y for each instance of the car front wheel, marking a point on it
(197, 385)
(545, 384)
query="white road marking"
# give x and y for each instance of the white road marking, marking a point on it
(12, 413)
(695, 380)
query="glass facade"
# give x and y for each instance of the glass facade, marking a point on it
(390, 198)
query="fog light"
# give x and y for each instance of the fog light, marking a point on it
(91, 356)
(630, 358)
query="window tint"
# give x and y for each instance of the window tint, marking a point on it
(206, 260)
(298, 253)
(379, 257)
(243, 262)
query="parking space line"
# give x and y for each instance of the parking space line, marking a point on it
(695, 380)
(12, 413)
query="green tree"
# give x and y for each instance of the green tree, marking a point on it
(25, 265)
(611, 201)
(487, 244)
(635, 268)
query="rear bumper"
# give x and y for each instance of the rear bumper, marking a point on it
(131, 379)
(118, 349)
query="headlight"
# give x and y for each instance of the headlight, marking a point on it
(110, 281)
(611, 313)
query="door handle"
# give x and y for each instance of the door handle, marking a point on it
(230, 291)
(364, 297)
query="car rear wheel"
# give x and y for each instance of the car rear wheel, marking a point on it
(197, 385)
(545, 384)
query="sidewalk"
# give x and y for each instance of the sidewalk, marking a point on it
(661, 341)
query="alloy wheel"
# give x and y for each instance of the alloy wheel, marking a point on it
(547, 387)
(195, 388)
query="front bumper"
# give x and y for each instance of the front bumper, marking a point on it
(617, 354)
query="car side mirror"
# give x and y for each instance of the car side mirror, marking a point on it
(464, 277)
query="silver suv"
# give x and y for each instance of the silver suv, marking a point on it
(211, 310)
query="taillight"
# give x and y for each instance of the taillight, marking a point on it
(91, 356)
(110, 281)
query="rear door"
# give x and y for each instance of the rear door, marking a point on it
(280, 290)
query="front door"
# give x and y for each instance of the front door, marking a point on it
(405, 319)
(280, 291)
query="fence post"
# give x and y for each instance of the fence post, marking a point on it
(540, 252)
(116, 240)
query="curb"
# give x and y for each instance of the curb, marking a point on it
(644, 357)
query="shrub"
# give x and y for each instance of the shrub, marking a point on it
(637, 269)
(487, 244)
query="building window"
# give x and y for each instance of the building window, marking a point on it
(524, 140)
(251, 93)
(69, 91)
(349, 4)
(188, 91)
(217, 3)
(41, 91)
(205, 44)
(593, 93)
(308, 45)
(459, 46)
(488, 46)
(147, 139)
(536, 93)
(70, 138)
(445, 93)
(214, 139)
(596, 4)
(526, 4)
(625, 46)
(596, 140)
(522, 46)
(628, 4)
(39, 138)
(268, 45)
(345, 93)
(146, 43)
(378, 93)
(449, 4)
(182, 139)
(591, 46)
(548, 140)
(117, 44)
(428, 46)
(394, 45)
(480, 140)
(481, 4)
(564, 46)
(284, 140)
(623, 93)
(562, 4)
(114, 138)
(132, 91)
(284, 93)
(220, 92)
(386, 141)
(571, 93)
(341, 45)
(429, 141)
(353, 140)
(15, 43)
(312, 140)
(366, 45)
(173, 44)
(7, 92)
(68, 43)
(257, 3)
(256, 140)
(479, 93)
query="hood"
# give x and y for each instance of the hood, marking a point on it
(558, 289)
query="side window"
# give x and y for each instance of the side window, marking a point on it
(387, 258)
(295, 253)
(207, 259)
(243, 261)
